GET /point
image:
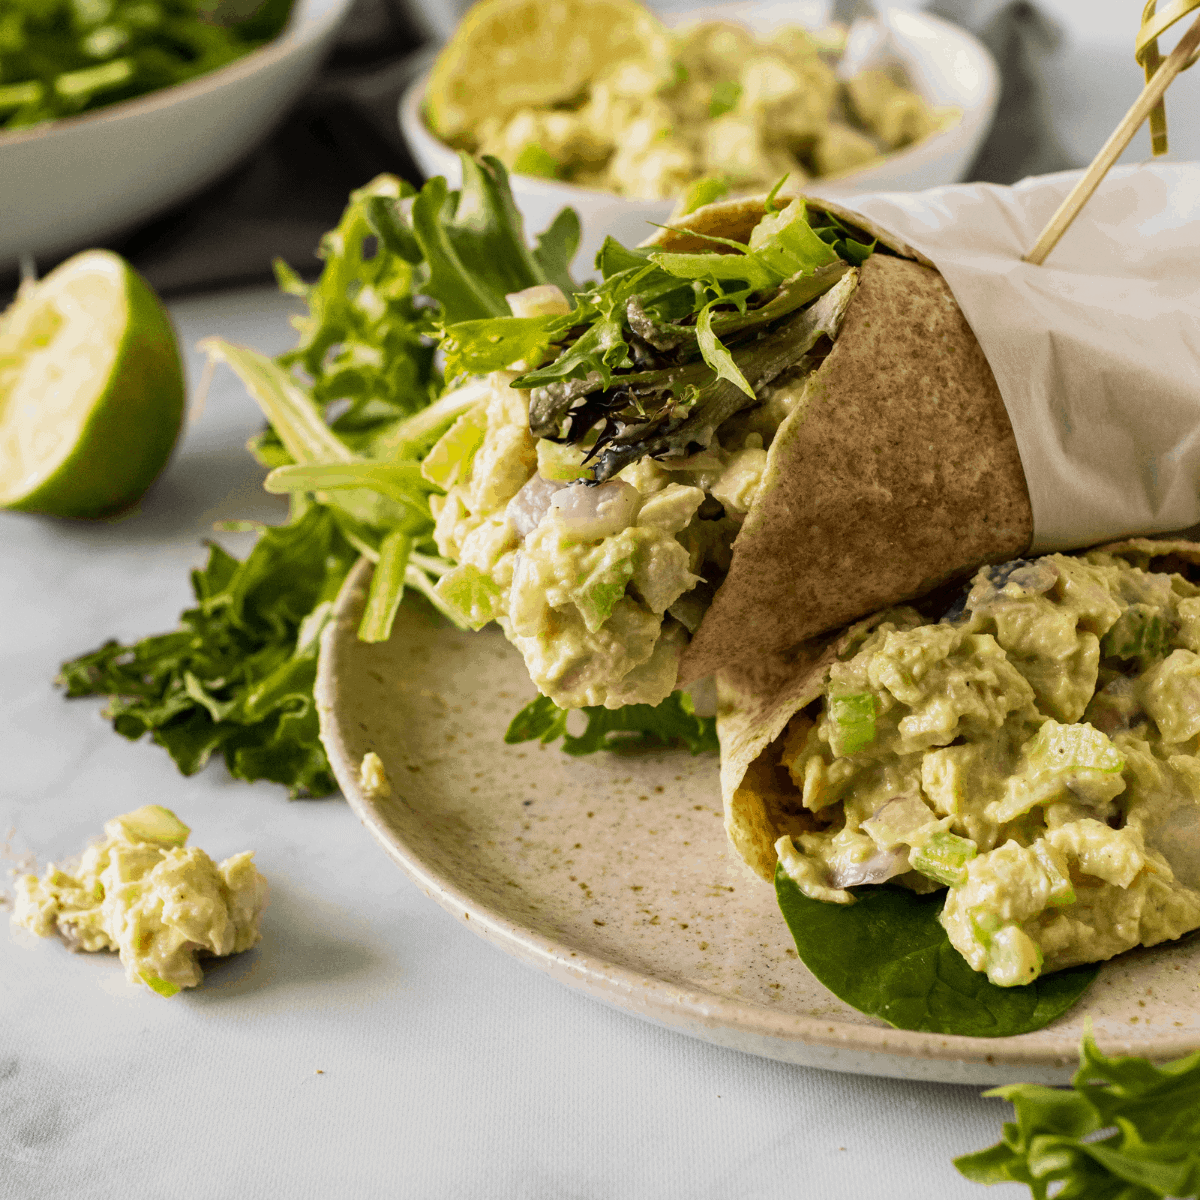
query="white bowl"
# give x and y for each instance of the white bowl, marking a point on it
(945, 64)
(79, 180)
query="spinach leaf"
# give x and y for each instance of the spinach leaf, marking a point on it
(636, 726)
(887, 956)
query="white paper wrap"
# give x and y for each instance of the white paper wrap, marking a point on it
(1097, 352)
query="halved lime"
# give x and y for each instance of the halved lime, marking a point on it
(511, 54)
(91, 390)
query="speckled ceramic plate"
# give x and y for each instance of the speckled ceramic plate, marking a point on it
(612, 873)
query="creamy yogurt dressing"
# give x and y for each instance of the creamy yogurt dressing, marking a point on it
(1034, 754)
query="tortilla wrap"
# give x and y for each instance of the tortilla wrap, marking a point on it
(897, 471)
(756, 700)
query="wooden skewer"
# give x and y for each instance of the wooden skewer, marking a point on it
(1081, 193)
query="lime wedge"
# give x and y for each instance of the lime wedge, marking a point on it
(91, 390)
(511, 54)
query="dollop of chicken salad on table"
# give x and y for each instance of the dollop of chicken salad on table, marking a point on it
(579, 482)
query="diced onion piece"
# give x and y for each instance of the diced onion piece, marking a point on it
(1054, 865)
(879, 868)
(903, 820)
(590, 514)
(546, 299)
(529, 505)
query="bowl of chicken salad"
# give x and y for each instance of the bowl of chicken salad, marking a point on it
(662, 117)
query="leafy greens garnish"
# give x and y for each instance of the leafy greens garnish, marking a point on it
(352, 410)
(666, 345)
(1127, 1130)
(888, 956)
(634, 727)
(236, 677)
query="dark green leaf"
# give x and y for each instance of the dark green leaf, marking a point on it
(540, 719)
(1153, 1151)
(237, 676)
(634, 727)
(474, 243)
(393, 231)
(613, 258)
(915, 978)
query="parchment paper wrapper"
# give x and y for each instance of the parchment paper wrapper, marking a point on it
(1096, 352)
(974, 412)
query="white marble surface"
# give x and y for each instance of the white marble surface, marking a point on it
(371, 1046)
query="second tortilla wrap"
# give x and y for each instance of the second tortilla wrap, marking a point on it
(759, 697)
(897, 471)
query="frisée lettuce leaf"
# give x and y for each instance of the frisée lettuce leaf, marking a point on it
(236, 677)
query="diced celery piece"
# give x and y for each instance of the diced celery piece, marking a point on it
(533, 159)
(562, 464)
(161, 986)
(449, 462)
(150, 823)
(14, 95)
(1013, 957)
(600, 591)
(76, 84)
(474, 596)
(1062, 891)
(943, 857)
(1140, 635)
(986, 925)
(853, 722)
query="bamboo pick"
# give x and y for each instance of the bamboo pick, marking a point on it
(1081, 193)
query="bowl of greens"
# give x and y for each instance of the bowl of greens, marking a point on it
(112, 110)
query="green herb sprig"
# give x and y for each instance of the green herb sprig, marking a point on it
(1126, 1130)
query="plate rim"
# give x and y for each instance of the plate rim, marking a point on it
(872, 1049)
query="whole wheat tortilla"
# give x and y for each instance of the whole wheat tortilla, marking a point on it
(897, 471)
(758, 698)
